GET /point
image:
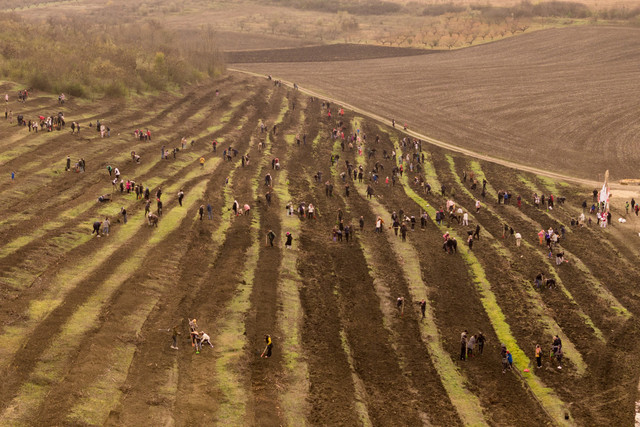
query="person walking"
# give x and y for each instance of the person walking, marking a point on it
(463, 346)
(180, 197)
(268, 349)
(209, 211)
(470, 345)
(123, 211)
(193, 326)
(174, 336)
(538, 356)
(201, 211)
(270, 237)
(287, 244)
(423, 308)
(105, 226)
(379, 223)
(518, 239)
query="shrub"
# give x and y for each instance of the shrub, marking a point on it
(74, 89)
(41, 82)
(115, 89)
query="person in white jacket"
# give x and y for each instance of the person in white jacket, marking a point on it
(205, 339)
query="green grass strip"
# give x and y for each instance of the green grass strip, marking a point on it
(68, 279)
(289, 322)
(360, 390)
(602, 292)
(104, 393)
(545, 395)
(466, 403)
(55, 359)
(551, 325)
(547, 398)
(232, 342)
(293, 399)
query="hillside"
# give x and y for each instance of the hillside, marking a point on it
(563, 100)
(86, 322)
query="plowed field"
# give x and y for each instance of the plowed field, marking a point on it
(564, 100)
(86, 322)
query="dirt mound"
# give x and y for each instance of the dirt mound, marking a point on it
(322, 53)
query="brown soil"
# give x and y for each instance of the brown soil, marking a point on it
(345, 332)
(563, 100)
(323, 53)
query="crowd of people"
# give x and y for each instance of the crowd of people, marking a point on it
(408, 158)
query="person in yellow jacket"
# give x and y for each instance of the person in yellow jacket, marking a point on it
(267, 350)
(201, 161)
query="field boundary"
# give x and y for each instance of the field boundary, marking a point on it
(446, 145)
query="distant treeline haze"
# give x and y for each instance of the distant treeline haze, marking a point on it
(71, 55)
